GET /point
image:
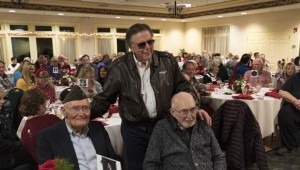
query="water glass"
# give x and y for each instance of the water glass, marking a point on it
(258, 87)
(221, 86)
(271, 86)
(244, 91)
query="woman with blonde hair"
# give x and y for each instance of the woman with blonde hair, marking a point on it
(211, 75)
(288, 70)
(27, 79)
(87, 72)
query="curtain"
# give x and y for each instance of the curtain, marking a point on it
(68, 47)
(1, 49)
(216, 39)
(105, 46)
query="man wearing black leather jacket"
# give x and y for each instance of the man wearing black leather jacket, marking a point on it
(145, 81)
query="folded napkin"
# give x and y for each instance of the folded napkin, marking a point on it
(245, 97)
(98, 120)
(113, 109)
(273, 93)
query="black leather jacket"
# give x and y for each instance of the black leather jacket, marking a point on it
(123, 80)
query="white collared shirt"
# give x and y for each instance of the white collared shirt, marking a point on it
(146, 88)
(84, 149)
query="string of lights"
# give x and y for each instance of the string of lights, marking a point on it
(63, 34)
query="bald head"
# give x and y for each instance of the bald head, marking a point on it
(184, 110)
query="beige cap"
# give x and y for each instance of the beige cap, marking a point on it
(27, 59)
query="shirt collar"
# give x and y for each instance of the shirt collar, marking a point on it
(73, 133)
(140, 64)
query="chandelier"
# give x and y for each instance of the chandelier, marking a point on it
(19, 2)
(174, 8)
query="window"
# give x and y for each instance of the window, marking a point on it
(121, 30)
(43, 28)
(105, 30)
(216, 39)
(45, 45)
(19, 27)
(20, 46)
(66, 29)
(155, 31)
(121, 45)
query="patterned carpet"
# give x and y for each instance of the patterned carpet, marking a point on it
(288, 162)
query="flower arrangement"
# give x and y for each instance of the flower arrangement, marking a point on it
(57, 164)
(238, 85)
(67, 80)
(90, 93)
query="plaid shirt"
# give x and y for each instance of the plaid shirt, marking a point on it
(5, 83)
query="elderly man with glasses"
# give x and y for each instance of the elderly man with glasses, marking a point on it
(75, 137)
(54, 69)
(182, 141)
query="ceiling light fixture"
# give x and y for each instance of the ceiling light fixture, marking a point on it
(142, 18)
(118, 17)
(220, 16)
(175, 8)
(243, 13)
(19, 2)
(12, 11)
(61, 14)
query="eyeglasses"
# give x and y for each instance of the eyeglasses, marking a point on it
(142, 45)
(77, 109)
(185, 112)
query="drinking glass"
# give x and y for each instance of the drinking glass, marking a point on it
(226, 84)
(258, 87)
(271, 86)
(221, 86)
(244, 91)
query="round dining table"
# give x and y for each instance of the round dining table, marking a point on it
(265, 109)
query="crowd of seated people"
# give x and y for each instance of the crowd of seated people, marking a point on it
(77, 130)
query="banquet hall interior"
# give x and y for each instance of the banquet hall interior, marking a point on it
(67, 30)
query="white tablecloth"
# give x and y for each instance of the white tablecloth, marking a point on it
(114, 131)
(59, 89)
(265, 111)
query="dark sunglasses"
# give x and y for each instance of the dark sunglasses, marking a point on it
(142, 45)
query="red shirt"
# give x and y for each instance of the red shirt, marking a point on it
(31, 130)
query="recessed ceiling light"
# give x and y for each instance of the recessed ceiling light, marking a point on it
(118, 17)
(220, 16)
(163, 19)
(243, 13)
(11, 10)
(142, 18)
(61, 14)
